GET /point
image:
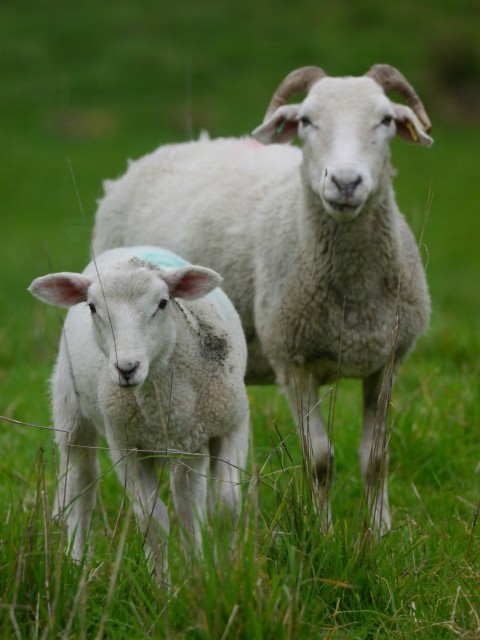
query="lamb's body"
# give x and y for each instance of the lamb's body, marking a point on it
(192, 399)
(185, 401)
(315, 255)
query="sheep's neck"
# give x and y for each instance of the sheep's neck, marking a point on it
(347, 253)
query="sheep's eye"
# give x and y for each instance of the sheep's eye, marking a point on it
(92, 308)
(163, 303)
(387, 121)
(305, 121)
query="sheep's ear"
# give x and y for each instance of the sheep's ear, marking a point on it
(281, 126)
(191, 282)
(61, 289)
(409, 126)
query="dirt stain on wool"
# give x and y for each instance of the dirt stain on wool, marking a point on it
(214, 348)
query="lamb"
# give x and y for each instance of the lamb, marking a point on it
(152, 357)
(315, 254)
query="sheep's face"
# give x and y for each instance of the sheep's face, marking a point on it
(130, 308)
(132, 323)
(345, 125)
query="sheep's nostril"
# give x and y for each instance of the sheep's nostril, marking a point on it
(347, 188)
(127, 369)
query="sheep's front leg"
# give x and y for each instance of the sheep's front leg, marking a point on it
(228, 456)
(138, 474)
(302, 395)
(189, 492)
(373, 451)
(78, 472)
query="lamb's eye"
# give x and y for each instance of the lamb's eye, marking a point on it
(305, 121)
(92, 308)
(387, 121)
(163, 303)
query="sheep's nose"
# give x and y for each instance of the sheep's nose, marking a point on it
(127, 369)
(346, 188)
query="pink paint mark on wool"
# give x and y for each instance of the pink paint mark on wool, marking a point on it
(249, 143)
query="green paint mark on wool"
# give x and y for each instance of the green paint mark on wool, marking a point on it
(161, 258)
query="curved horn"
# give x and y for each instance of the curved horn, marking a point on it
(298, 81)
(390, 79)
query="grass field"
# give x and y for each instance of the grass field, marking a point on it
(83, 88)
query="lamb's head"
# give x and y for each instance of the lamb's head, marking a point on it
(345, 125)
(129, 305)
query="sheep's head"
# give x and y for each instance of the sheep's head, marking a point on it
(130, 312)
(345, 125)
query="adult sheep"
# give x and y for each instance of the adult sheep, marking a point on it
(315, 254)
(153, 357)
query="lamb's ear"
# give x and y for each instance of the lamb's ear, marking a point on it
(62, 289)
(191, 282)
(281, 126)
(409, 126)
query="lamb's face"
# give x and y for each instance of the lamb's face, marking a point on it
(346, 125)
(132, 323)
(129, 306)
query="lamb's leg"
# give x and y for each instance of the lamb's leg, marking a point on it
(228, 456)
(302, 395)
(138, 474)
(189, 492)
(373, 452)
(77, 475)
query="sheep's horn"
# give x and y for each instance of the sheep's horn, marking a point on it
(390, 79)
(298, 81)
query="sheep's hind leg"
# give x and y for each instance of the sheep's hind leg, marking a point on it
(228, 456)
(373, 452)
(302, 395)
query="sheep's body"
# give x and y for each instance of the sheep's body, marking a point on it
(315, 255)
(191, 400)
(298, 274)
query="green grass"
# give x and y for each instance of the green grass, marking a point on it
(84, 87)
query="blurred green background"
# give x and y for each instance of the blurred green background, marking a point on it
(86, 85)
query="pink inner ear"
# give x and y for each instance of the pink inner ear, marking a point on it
(191, 284)
(63, 290)
(279, 130)
(70, 293)
(286, 132)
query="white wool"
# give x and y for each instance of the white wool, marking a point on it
(152, 357)
(315, 255)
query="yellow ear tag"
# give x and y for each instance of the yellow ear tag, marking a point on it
(412, 131)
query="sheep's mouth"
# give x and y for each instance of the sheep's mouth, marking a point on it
(129, 384)
(342, 207)
(132, 383)
(342, 211)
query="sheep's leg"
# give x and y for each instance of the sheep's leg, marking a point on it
(189, 492)
(302, 395)
(78, 472)
(373, 452)
(138, 474)
(228, 456)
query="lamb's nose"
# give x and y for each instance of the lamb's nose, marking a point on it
(346, 188)
(127, 369)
